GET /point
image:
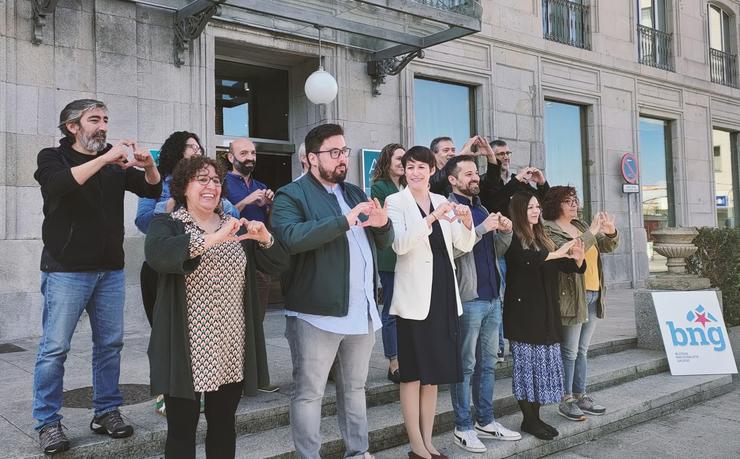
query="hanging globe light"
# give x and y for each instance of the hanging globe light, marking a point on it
(321, 87)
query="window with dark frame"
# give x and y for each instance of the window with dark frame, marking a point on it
(655, 44)
(567, 22)
(565, 147)
(251, 101)
(443, 108)
(722, 57)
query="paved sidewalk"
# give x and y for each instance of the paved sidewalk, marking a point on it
(16, 377)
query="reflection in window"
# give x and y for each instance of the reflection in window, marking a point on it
(656, 181)
(564, 146)
(443, 109)
(251, 101)
(724, 181)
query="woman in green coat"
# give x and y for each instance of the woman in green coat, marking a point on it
(581, 296)
(206, 337)
(387, 179)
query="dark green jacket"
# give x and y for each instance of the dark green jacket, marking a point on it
(309, 222)
(381, 189)
(167, 251)
(572, 286)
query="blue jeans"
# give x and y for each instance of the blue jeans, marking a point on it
(66, 295)
(576, 339)
(479, 325)
(390, 342)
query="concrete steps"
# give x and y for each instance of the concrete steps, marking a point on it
(386, 425)
(628, 404)
(264, 431)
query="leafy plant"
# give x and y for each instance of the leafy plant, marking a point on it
(718, 259)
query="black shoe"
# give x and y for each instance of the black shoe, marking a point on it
(111, 424)
(394, 377)
(553, 431)
(52, 439)
(536, 430)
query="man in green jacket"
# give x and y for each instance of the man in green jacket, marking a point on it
(331, 231)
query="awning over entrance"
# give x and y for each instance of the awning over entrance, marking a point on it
(392, 32)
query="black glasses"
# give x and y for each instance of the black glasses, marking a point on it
(204, 180)
(503, 153)
(571, 201)
(195, 148)
(336, 152)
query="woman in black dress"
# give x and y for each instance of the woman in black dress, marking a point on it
(425, 297)
(532, 311)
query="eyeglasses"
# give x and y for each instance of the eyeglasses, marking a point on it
(335, 153)
(504, 153)
(571, 202)
(196, 148)
(204, 180)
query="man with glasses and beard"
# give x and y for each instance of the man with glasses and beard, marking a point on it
(253, 200)
(332, 230)
(83, 182)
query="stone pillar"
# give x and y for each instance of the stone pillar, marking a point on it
(676, 244)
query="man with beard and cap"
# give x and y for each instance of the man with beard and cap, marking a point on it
(480, 277)
(83, 182)
(331, 230)
(253, 200)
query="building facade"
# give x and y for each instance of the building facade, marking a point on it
(571, 86)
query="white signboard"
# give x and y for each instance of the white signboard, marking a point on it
(694, 333)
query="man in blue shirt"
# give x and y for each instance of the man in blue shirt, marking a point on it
(332, 231)
(481, 285)
(252, 199)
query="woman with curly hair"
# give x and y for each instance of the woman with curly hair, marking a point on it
(532, 314)
(581, 296)
(206, 337)
(179, 145)
(388, 179)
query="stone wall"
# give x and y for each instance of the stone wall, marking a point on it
(122, 53)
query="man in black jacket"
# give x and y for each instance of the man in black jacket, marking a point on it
(83, 182)
(444, 150)
(496, 198)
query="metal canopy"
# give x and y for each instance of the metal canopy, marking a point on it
(391, 32)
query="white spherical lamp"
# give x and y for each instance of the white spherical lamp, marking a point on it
(321, 87)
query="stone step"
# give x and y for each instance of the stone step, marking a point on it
(258, 414)
(386, 424)
(628, 404)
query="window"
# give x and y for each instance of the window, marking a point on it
(725, 177)
(656, 181)
(251, 101)
(565, 135)
(443, 109)
(566, 22)
(722, 61)
(655, 44)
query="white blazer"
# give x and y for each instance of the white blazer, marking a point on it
(412, 286)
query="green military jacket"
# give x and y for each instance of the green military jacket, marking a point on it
(572, 286)
(167, 252)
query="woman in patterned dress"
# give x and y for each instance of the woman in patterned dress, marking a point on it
(532, 313)
(203, 329)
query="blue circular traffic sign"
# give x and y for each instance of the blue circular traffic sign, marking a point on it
(630, 169)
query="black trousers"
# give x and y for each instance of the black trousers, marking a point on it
(148, 278)
(182, 423)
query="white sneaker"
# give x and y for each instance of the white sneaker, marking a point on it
(497, 432)
(468, 440)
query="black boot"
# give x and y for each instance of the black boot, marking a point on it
(530, 422)
(536, 410)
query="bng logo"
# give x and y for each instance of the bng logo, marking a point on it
(698, 333)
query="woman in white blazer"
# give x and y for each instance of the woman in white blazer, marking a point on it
(425, 294)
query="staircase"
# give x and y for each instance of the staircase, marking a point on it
(634, 385)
